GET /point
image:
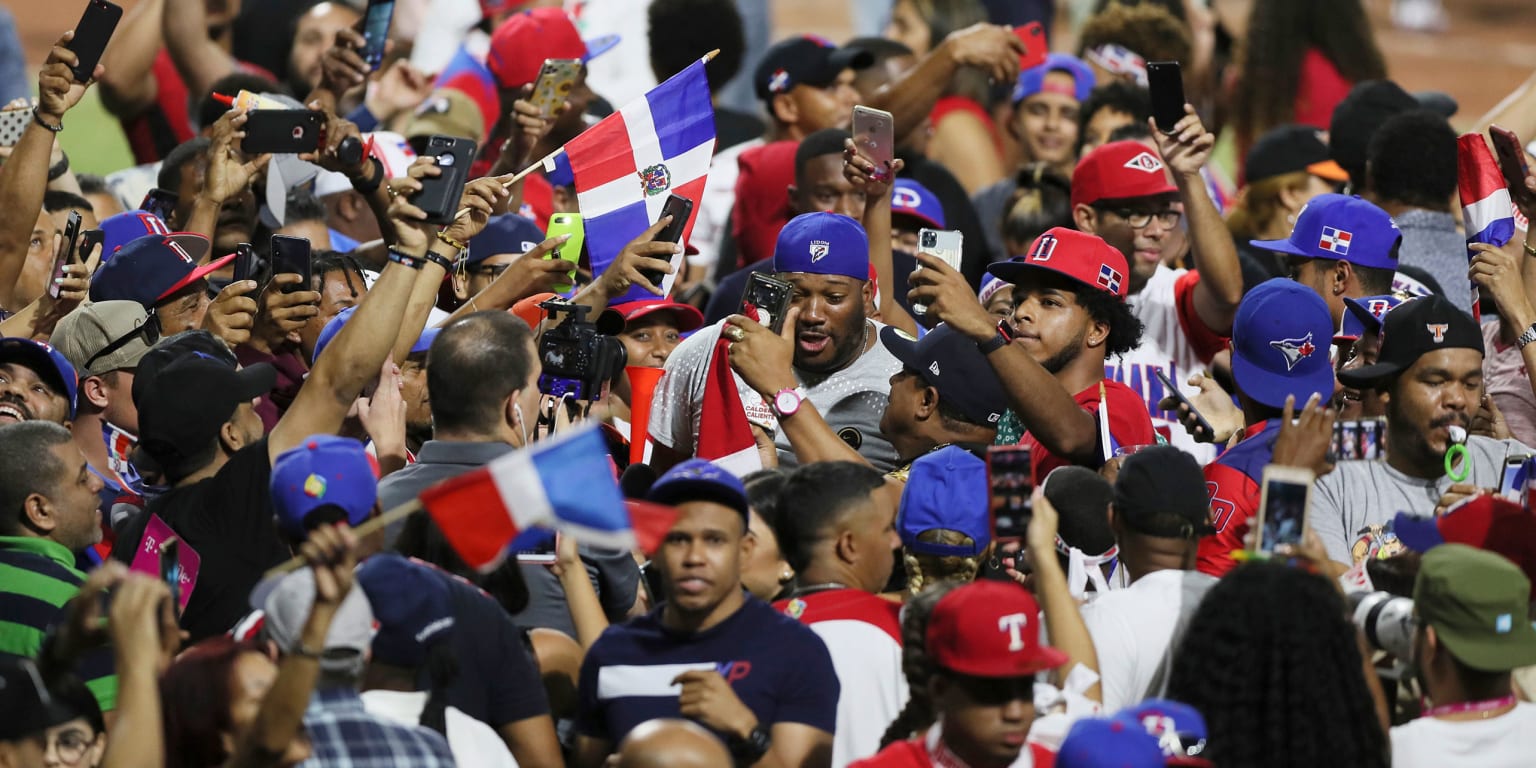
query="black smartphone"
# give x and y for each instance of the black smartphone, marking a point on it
(1172, 390)
(376, 31)
(283, 131)
(679, 208)
(1512, 163)
(1165, 81)
(161, 203)
(66, 254)
(1011, 484)
(170, 570)
(290, 256)
(247, 264)
(90, 241)
(439, 195)
(92, 35)
(655, 583)
(769, 296)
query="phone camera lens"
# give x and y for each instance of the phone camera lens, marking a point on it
(445, 160)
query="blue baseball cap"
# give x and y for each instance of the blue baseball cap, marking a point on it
(152, 268)
(823, 244)
(123, 228)
(1344, 227)
(1364, 316)
(1032, 80)
(1280, 341)
(334, 325)
(699, 480)
(1097, 742)
(508, 233)
(324, 469)
(910, 198)
(955, 366)
(411, 603)
(1179, 729)
(946, 489)
(48, 363)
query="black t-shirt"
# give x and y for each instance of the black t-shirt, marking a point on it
(498, 681)
(227, 520)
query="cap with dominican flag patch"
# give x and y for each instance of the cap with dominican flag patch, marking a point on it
(1120, 170)
(1083, 257)
(154, 267)
(1341, 227)
(805, 60)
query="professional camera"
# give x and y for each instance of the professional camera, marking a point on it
(580, 358)
(1386, 619)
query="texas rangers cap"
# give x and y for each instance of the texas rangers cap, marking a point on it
(1484, 521)
(1280, 340)
(909, 198)
(823, 244)
(522, 43)
(1120, 170)
(989, 629)
(1416, 328)
(324, 470)
(153, 267)
(1363, 316)
(1032, 80)
(950, 363)
(1341, 227)
(1083, 257)
(946, 490)
(48, 363)
(805, 60)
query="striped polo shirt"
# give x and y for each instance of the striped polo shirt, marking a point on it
(37, 577)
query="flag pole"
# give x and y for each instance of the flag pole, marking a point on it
(368, 527)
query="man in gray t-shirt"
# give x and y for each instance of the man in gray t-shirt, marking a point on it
(1430, 374)
(839, 361)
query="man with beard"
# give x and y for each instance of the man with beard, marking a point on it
(839, 362)
(1430, 374)
(36, 383)
(1070, 314)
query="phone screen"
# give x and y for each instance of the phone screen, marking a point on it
(1165, 82)
(161, 203)
(1172, 390)
(1283, 511)
(1513, 481)
(376, 31)
(1009, 473)
(943, 243)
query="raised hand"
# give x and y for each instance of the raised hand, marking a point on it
(412, 230)
(950, 299)
(383, 414)
(990, 48)
(762, 358)
(229, 171)
(641, 254)
(232, 313)
(57, 91)
(342, 67)
(530, 126)
(1304, 441)
(1497, 272)
(479, 199)
(284, 313)
(863, 174)
(399, 88)
(1188, 149)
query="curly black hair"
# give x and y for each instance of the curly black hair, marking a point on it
(1125, 328)
(1270, 655)
(681, 31)
(1118, 96)
(1412, 160)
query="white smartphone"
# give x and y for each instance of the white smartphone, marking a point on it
(1285, 496)
(943, 243)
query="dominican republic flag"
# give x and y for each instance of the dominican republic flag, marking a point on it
(1485, 205)
(627, 165)
(1335, 240)
(1109, 277)
(725, 434)
(566, 483)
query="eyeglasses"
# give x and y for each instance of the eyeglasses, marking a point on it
(149, 331)
(71, 745)
(1167, 217)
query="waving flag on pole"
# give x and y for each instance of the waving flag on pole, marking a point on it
(1486, 210)
(566, 483)
(627, 165)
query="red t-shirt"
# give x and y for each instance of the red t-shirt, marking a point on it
(154, 132)
(762, 199)
(1319, 88)
(915, 754)
(1129, 425)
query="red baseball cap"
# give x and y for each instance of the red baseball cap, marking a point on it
(1083, 257)
(522, 43)
(989, 629)
(1485, 521)
(686, 316)
(1120, 170)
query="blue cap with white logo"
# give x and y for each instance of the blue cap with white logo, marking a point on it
(699, 480)
(1363, 316)
(1341, 227)
(823, 244)
(1280, 341)
(508, 233)
(909, 198)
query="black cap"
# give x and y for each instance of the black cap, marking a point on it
(1288, 149)
(186, 402)
(1161, 492)
(1081, 497)
(172, 348)
(955, 366)
(1357, 117)
(1411, 330)
(805, 60)
(26, 706)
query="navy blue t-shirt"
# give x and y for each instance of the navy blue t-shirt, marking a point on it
(778, 667)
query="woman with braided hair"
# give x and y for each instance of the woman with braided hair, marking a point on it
(917, 715)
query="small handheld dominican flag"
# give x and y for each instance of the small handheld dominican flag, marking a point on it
(566, 483)
(1486, 210)
(627, 165)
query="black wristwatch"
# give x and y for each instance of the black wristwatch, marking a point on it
(747, 751)
(998, 341)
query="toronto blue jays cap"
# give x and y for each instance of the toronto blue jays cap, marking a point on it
(152, 268)
(1083, 257)
(48, 363)
(1032, 80)
(508, 233)
(1363, 316)
(805, 60)
(1179, 729)
(411, 603)
(323, 470)
(823, 244)
(1415, 328)
(1097, 742)
(955, 366)
(909, 198)
(699, 480)
(946, 490)
(1280, 341)
(1341, 227)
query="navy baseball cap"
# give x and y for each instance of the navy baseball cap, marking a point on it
(412, 604)
(27, 708)
(946, 489)
(1032, 80)
(1097, 742)
(699, 480)
(1179, 729)
(508, 233)
(805, 60)
(823, 244)
(323, 470)
(1280, 341)
(1416, 328)
(153, 267)
(1344, 227)
(1364, 316)
(47, 362)
(955, 366)
(909, 198)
